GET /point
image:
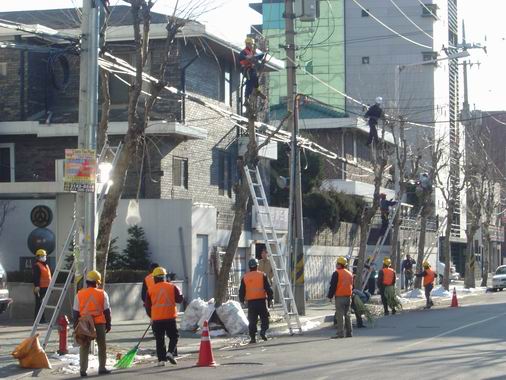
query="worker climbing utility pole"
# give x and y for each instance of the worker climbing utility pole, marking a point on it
(295, 234)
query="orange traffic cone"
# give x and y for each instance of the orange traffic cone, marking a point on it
(206, 358)
(455, 302)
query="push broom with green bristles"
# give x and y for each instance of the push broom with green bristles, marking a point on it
(128, 359)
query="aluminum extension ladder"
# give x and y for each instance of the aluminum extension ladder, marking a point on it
(379, 244)
(60, 265)
(274, 252)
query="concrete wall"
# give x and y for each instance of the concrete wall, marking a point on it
(125, 301)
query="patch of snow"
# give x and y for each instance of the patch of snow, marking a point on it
(219, 332)
(414, 293)
(440, 292)
(71, 362)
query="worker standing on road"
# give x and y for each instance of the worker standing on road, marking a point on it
(94, 302)
(407, 268)
(374, 113)
(41, 280)
(148, 282)
(249, 60)
(341, 288)
(428, 282)
(255, 289)
(161, 306)
(386, 282)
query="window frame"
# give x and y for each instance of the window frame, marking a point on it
(183, 168)
(12, 163)
(366, 60)
(365, 13)
(224, 173)
(433, 10)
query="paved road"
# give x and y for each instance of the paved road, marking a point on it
(464, 343)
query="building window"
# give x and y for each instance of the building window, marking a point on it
(429, 10)
(349, 146)
(225, 87)
(225, 173)
(365, 13)
(365, 60)
(6, 162)
(180, 172)
(119, 84)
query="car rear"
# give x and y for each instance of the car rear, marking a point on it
(4, 292)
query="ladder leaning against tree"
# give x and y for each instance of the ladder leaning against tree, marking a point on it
(274, 252)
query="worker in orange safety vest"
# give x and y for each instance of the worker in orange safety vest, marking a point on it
(94, 302)
(428, 282)
(161, 306)
(341, 289)
(386, 278)
(41, 280)
(248, 59)
(256, 289)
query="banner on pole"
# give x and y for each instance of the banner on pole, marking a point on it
(80, 170)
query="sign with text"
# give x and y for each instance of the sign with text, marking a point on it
(279, 218)
(80, 170)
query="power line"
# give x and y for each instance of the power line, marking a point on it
(410, 20)
(390, 29)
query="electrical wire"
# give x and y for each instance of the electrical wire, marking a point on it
(390, 29)
(410, 20)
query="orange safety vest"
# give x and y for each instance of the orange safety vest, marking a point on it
(245, 62)
(344, 283)
(254, 282)
(388, 276)
(429, 277)
(45, 275)
(163, 301)
(149, 280)
(91, 302)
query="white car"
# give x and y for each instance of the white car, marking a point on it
(4, 292)
(499, 278)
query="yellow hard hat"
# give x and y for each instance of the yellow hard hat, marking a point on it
(159, 271)
(94, 276)
(249, 40)
(387, 261)
(40, 252)
(426, 264)
(342, 260)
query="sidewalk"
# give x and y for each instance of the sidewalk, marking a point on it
(125, 335)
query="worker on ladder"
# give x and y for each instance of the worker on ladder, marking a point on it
(249, 61)
(94, 302)
(428, 282)
(41, 280)
(255, 289)
(385, 205)
(374, 113)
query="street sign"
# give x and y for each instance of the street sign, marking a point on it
(80, 170)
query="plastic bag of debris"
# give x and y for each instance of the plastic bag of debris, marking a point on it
(207, 313)
(192, 315)
(233, 317)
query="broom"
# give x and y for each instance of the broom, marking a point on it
(128, 359)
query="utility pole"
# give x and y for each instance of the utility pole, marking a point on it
(295, 229)
(87, 134)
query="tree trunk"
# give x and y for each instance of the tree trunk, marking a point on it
(486, 257)
(251, 155)
(364, 233)
(421, 248)
(470, 274)
(394, 249)
(447, 247)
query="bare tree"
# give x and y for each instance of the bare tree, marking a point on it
(138, 112)
(6, 207)
(379, 161)
(450, 186)
(427, 203)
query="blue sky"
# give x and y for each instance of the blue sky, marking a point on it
(232, 19)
